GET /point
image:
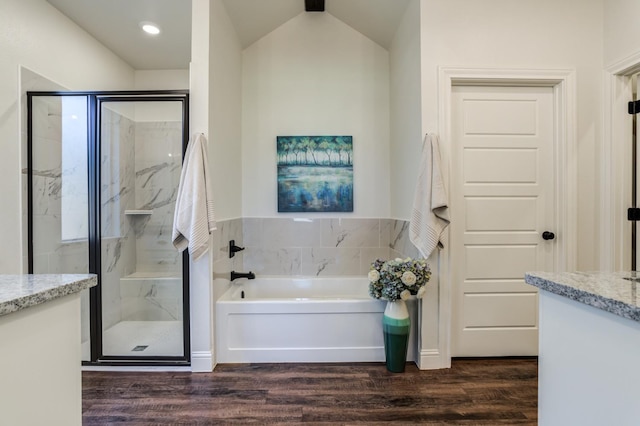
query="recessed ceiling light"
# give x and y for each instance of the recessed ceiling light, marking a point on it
(150, 28)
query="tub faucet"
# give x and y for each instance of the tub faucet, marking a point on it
(249, 275)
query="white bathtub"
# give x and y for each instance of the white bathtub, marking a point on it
(301, 320)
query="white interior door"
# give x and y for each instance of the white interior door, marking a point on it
(502, 202)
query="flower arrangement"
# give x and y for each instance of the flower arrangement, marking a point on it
(398, 278)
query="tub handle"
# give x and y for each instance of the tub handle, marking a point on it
(233, 248)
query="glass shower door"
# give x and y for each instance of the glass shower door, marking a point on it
(103, 170)
(141, 143)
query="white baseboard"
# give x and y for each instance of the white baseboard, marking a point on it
(293, 354)
(202, 362)
(432, 359)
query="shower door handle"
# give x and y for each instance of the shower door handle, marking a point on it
(547, 235)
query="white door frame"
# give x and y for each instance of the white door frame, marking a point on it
(615, 166)
(563, 83)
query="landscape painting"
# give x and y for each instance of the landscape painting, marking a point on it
(315, 173)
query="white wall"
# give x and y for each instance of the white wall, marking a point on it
(407, 133)
(406, 112)
(215, 111)
(620, 30)
(161, 79)
(225, 78)
(314, 75)
(35, 35)
(532, 34)
(200, 298)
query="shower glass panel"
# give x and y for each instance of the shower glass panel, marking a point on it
(59, 200)
(140, 145)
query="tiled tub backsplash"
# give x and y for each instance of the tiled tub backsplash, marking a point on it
(399, 243)
(316, 247)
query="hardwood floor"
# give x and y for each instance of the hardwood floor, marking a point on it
(472, 392)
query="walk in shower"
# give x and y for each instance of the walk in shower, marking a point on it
(103, 174)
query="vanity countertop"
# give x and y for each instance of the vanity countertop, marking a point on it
(615, 292)
(18, 292)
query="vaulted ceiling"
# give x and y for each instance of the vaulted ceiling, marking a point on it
(115, 23)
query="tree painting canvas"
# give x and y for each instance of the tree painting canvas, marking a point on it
(315, 173)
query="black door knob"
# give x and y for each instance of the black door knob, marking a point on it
(546, 235)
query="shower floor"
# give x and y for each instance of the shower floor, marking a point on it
(161, 338)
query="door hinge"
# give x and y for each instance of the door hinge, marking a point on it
(634, 107)
(633, 214)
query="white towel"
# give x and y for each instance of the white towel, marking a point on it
(430, 214)
(193, 219)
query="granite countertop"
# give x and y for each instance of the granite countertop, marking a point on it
(614, 292)
(18, 292)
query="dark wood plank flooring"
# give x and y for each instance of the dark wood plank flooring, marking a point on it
(472, 392)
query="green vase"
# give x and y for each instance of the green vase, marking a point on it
(396, 326)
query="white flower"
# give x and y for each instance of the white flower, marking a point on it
(421, 292)
(398, 278)
(409, 278)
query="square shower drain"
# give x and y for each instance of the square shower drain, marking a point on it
(139, 348)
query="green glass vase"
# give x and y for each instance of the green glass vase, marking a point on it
(396, 326)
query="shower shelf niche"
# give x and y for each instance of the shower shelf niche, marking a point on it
(138, 212)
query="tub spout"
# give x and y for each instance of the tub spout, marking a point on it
(249, 275)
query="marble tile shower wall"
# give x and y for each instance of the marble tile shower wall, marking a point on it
(148, 176)
(50, 253)
(321, 247)
(140, 167)
(117, 194)
(138, 173)
(158, 164)
(47, 133)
